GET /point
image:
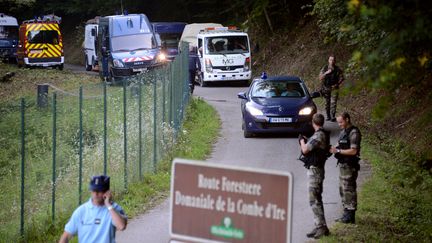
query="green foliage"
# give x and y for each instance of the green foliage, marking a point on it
(395, 203)
(192, 144)
(391, 38)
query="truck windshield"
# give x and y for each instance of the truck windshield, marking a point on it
(9, 32)
(133, 42)
(170, 40)
(227, 45)
(43, 36)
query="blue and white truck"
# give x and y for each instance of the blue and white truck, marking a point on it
(127, 46)
(8, 37)
(169, 34)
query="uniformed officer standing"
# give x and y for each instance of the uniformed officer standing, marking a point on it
(331, 77)
(314, 155)
(99, 218)
(347, 153)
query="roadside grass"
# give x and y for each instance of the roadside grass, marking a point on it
(395, 203)
(199, 132)
(24, 82)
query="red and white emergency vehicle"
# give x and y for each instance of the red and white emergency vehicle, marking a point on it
(40, 43)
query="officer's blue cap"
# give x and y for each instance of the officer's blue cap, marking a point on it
(263, 75)
(100, 183)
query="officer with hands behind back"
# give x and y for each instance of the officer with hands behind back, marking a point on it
(98, 219)
(347, 152)
(314, 155)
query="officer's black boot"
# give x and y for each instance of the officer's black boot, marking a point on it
(348, 217)
(312, 233)
(352, 216)
(321, 231)
(344, 215)
(328, 116)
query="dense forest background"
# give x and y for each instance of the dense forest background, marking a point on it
(384, 48)
(390, 40)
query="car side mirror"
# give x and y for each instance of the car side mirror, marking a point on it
(315, 94)
(242, 95)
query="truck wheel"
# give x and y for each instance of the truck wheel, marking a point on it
(93, 64)
(18, 63)
(60, 67)
(88, 67)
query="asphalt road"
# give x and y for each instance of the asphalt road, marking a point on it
(275, 153)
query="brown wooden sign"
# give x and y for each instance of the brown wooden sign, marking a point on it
(220, 203)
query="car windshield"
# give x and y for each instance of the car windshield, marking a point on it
(170, 40)
(9, 32)
(133, 42)
(227, 45)
(277, 89)
(43, 36)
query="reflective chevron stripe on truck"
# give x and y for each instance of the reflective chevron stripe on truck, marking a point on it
(40, 50)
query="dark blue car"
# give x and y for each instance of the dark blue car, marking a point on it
(280, 104)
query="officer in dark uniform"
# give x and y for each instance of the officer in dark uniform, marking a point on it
(314, 155)
(331, 77)
(194, 64)
(347, 153)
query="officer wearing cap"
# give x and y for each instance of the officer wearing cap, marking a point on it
(98, 219)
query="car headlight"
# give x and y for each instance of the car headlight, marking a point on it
(306, 111)
(161, 57)
(253, 110)
(118, 63)
(208, 65)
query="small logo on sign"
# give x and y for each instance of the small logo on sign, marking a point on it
(227, 230)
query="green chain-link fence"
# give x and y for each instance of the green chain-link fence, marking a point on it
(119, 130)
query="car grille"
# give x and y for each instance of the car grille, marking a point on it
(227, 68)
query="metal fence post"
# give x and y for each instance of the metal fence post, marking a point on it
(163, 79)
(80, 144)
(154, 126)
(54, 148)
(171, 105)
(140, 129)
(105, 127)
(42, 95)
(22, 165)
(125, 133)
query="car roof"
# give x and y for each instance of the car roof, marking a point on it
(280, 78)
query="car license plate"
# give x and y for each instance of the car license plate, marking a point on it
(227, 78)
(35, 51)
(139, 70)
(280, 119)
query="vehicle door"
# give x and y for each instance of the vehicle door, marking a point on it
(200, 54)
(104, 50)
(44, 41)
